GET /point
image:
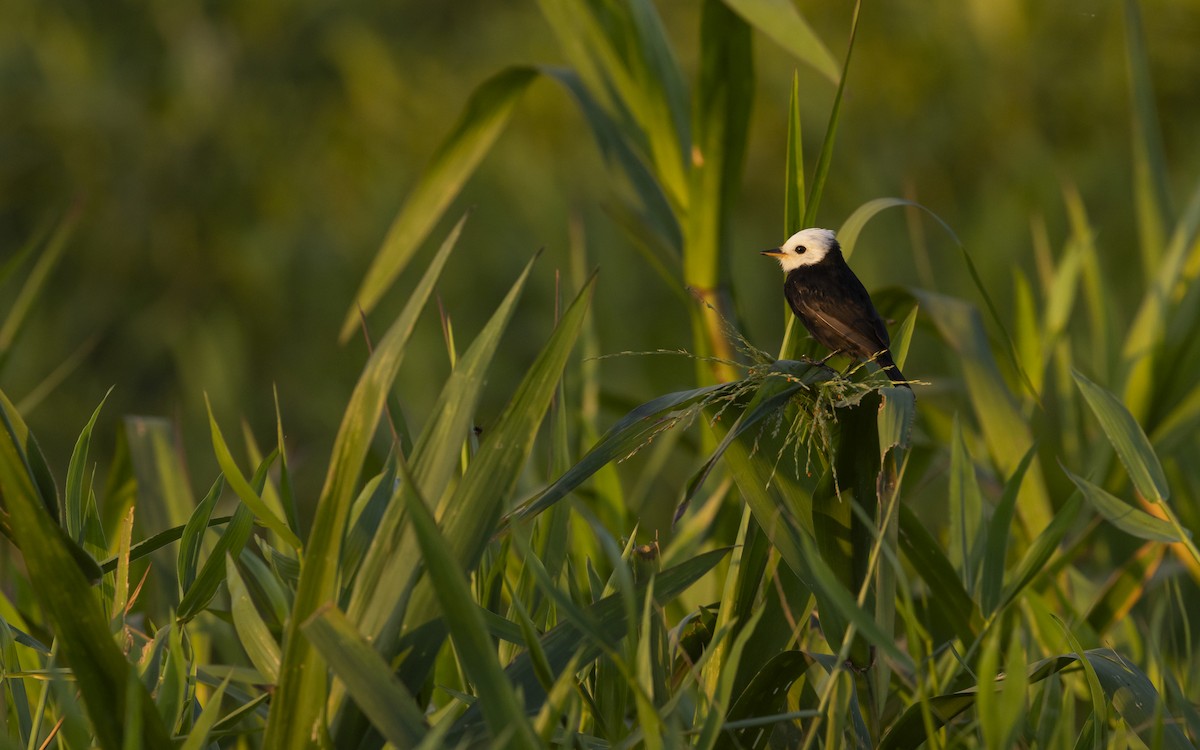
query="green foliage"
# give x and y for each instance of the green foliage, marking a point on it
(1002, 556)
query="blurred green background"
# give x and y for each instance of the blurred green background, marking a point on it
(238, 164)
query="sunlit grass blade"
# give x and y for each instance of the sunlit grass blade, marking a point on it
(303, 687)
(1043, 546)
(793, 178)
(193, 537)
(212, 573)
(484, 117)
(369, 680)
(67, 598)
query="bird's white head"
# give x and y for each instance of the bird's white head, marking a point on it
(804, 248)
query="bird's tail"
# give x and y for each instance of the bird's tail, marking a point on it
(890, 369)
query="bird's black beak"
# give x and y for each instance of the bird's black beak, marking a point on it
(773, 252)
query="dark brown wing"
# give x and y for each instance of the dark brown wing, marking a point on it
(836, 309)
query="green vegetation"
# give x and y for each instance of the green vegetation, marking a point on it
(1004, 560)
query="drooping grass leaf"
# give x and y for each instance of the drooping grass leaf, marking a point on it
(483, 119)
(238, 483)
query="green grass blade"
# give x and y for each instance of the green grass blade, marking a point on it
(793, 181)
(238, 483)
(1124, 516)
(252, 631)
(208, 580)
(999, 526)
(721, 121)
(34, 468)
(482, 121)
(81, 627)
(781, 22)
(303, 687)
(75, 497)
(501, 708)
(393, 558)
(825, 157)
(1127, 437)
(197, 739)
(1151, 196)
(193, 537)
(369, 680)
(955, 612)
(36, 281)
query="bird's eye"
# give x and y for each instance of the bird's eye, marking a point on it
(801, 249)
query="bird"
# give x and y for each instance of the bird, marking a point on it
(830, 300)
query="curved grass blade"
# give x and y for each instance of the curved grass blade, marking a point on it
(482, 120)
(825, 157)
(996, 550)
(303, 687)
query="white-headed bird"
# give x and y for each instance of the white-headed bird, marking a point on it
(830, 300)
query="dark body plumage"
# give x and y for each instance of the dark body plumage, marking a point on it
(835, 308)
